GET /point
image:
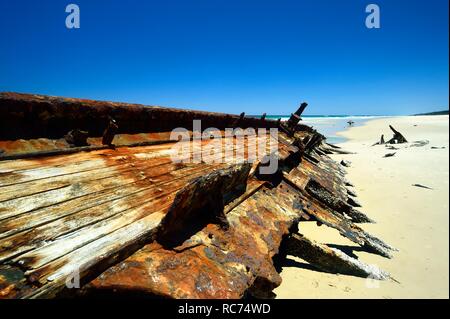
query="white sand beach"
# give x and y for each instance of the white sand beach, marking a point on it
(413, 219)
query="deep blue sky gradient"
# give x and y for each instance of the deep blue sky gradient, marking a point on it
(232, 55)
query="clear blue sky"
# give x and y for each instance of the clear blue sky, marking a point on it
(232, 55)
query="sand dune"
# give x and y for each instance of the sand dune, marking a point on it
(413, 219)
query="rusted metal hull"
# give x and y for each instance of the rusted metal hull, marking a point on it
(129, 220)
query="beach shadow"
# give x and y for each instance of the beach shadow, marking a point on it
(348, 250)
(304, 265)
(297, 264)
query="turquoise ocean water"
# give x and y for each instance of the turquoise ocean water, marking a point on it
(329, 125)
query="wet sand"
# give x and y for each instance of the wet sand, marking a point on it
(413, 219)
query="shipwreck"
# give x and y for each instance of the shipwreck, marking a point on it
(92, 204)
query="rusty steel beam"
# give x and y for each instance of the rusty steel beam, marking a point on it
(26, 116)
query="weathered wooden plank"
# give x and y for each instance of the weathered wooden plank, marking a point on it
(134, 160)
(75, 251)
(94, 256)
(119, 216)
(95, 161)
(41, 199)
(50, 161)
(38, 186)
(22, 205)
(123, 187)
(60, 220)
(154, 151)
(46, 172)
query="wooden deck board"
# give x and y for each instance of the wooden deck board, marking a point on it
(53, 211)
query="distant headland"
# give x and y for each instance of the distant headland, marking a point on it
(445, 112)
